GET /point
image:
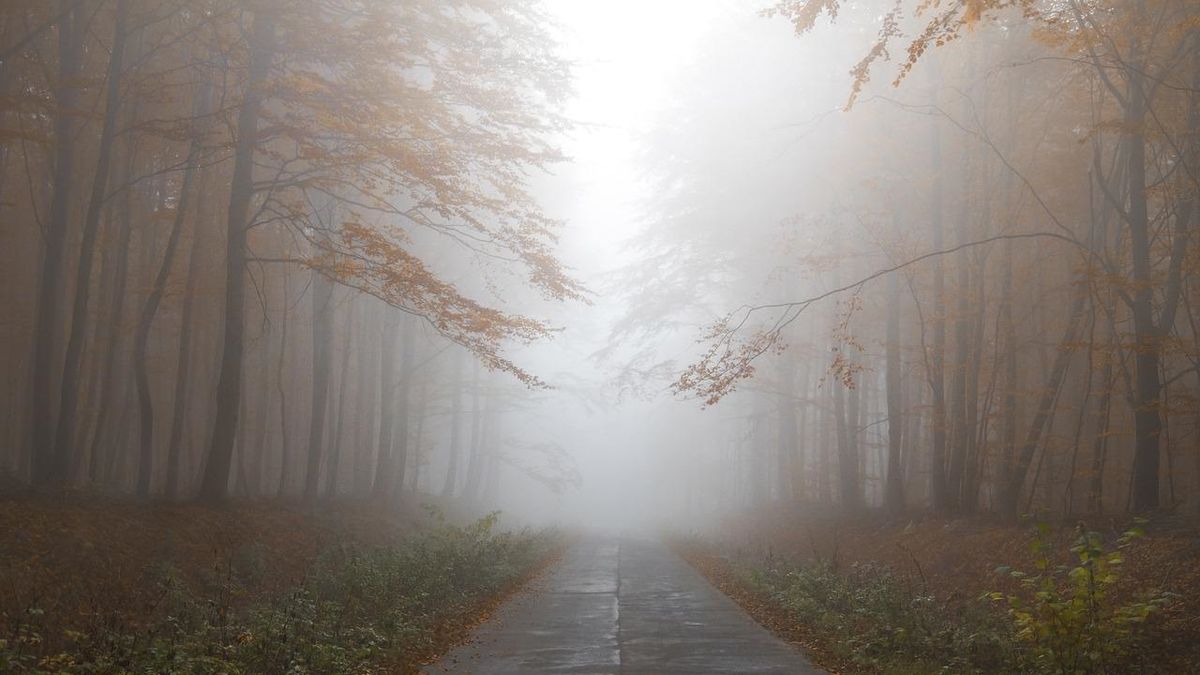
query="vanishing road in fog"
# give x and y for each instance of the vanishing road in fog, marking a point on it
(623, 606)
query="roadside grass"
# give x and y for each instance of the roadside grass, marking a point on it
(865, 618)
(358, 609)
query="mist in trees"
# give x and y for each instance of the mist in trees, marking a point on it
(606, 263)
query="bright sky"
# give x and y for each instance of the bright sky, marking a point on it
(626, 55)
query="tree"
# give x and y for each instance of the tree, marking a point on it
(444, 153)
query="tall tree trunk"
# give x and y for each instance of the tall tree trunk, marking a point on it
(322, 337)
(475, 456)
(400, 442)
(939, 490)
(1147, 349)
(972, 426)
(848, 484)
(121, 217)
(825, 440)
(65, 430)
(215, 484)
(66, 98)
(183, 363)
(1008, 413)
(1011, 490)
(387, 402)
(787, 442)
(1100, 441)
(894, 487)
(1149, 332)
(262, 413)
(335, 451)
(285, 445)
(801, 471)
(854, 416)
(451, 483)
(242, 482)
(958, 377)
(494, 440)
(366, 437)
(150, 309)
(419, 438)
(481, 464)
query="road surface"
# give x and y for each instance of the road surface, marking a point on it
(622, 606)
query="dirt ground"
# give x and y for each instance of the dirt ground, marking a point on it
(83, 560)
(956, 559)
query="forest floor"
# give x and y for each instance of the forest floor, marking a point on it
(935, 574)
(97, 585)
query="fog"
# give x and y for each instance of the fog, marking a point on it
(621, 265)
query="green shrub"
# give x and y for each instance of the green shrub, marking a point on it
(1064, 619)
(357, 609)
(881, 622)
(1067, 615)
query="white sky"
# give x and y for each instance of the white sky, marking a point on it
(626, 54)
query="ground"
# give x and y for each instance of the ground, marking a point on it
(957, 561)
(80, 565)
(71, 556)
(86, 565)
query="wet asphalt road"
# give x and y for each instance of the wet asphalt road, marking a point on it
(622, 606)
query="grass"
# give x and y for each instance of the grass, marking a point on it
(860, 619)
(358, 609)
(865, 618)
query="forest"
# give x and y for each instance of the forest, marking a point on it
(329, 325)
(219, 205)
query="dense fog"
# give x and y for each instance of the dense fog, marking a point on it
(624, 265)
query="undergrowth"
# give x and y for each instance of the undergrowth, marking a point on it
(358, 610)
(1062, 619)
(868, 617)
(1067, 616)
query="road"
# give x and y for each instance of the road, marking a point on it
(622, 606)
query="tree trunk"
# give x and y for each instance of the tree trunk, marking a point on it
(322, 337)
(894, 487)
(1149, 333)
(939, 491)
(65, 432)
(183, 361)
(395, 485)
(958, 438)
(280, 383)
(848, 485)
(387, 402)
(448, 487)
(115, 315)
(150, 309)
(261, 412)
(1011, 490)
(419, 438)
(335, 451)
(824, 447)
(43, 463)
(801, 490)
(786, 455)
(475, 461)
(1147, 385)
(215, 484)
(972, 426)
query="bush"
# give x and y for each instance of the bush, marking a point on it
(880, 622)
(1067, 614)
(1062, 619)
(358, 610)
